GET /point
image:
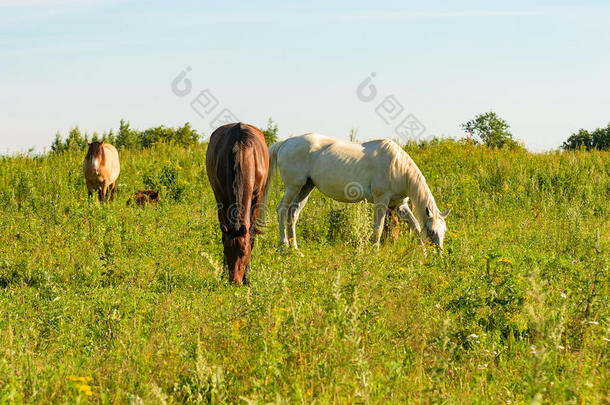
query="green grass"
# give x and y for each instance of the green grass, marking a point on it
(109, 303)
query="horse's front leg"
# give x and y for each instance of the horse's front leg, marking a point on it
(105, 192)
(381, 207)
(112, 191)
(405, 213)
(90, 189)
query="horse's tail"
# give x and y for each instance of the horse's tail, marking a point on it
(273, 150)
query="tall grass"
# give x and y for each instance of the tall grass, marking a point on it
(110, 303)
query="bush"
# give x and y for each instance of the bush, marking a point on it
(165, 181)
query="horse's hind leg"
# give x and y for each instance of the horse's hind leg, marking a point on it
(295, 210)
(282, 211)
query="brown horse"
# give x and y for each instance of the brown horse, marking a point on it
(143, 197)
(101, 168)
(237, 162)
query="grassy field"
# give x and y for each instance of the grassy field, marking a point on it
(110, 303)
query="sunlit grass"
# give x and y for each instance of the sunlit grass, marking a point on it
(109, 303)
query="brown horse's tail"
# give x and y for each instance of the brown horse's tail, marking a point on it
(271, 174)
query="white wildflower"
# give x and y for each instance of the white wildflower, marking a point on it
(592, 322)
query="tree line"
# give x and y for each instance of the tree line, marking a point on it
(583, 139)
(129, 138)
(487, 128)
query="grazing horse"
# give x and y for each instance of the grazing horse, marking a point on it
(380, 172)
(237, 162)
(101, 168)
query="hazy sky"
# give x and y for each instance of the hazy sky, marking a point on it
(543, 66)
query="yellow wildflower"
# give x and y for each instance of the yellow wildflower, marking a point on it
(84, 388)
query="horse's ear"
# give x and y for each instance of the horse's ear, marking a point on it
(446, 213)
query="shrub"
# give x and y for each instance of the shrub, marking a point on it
(165, 181)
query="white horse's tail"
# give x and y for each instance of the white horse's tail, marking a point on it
(273, 150)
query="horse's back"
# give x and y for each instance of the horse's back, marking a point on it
(335, 164)
(314, 142)
(112, 165)
(232, 150)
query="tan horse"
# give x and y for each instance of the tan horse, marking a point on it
(101, 168)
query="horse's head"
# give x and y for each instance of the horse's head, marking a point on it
(95, 155)
(237, 251)
(435, 227)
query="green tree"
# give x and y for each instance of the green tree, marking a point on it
(492, 130)
(186, 136)
(109, 137)
(75, 139)
(583, 139)
(126, 138)
(600, 138)
(270, 132)
(578, 140)
(58, 144)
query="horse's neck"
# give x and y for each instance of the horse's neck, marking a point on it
(419, 192)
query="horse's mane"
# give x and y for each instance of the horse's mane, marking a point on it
(95, 149)
(404, 169)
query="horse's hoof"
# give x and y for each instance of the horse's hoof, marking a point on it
(298, 252)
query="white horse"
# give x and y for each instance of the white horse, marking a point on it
(380, 172)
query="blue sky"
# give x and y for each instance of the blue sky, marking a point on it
(543, 66)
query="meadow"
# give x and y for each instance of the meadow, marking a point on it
(109, 303)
